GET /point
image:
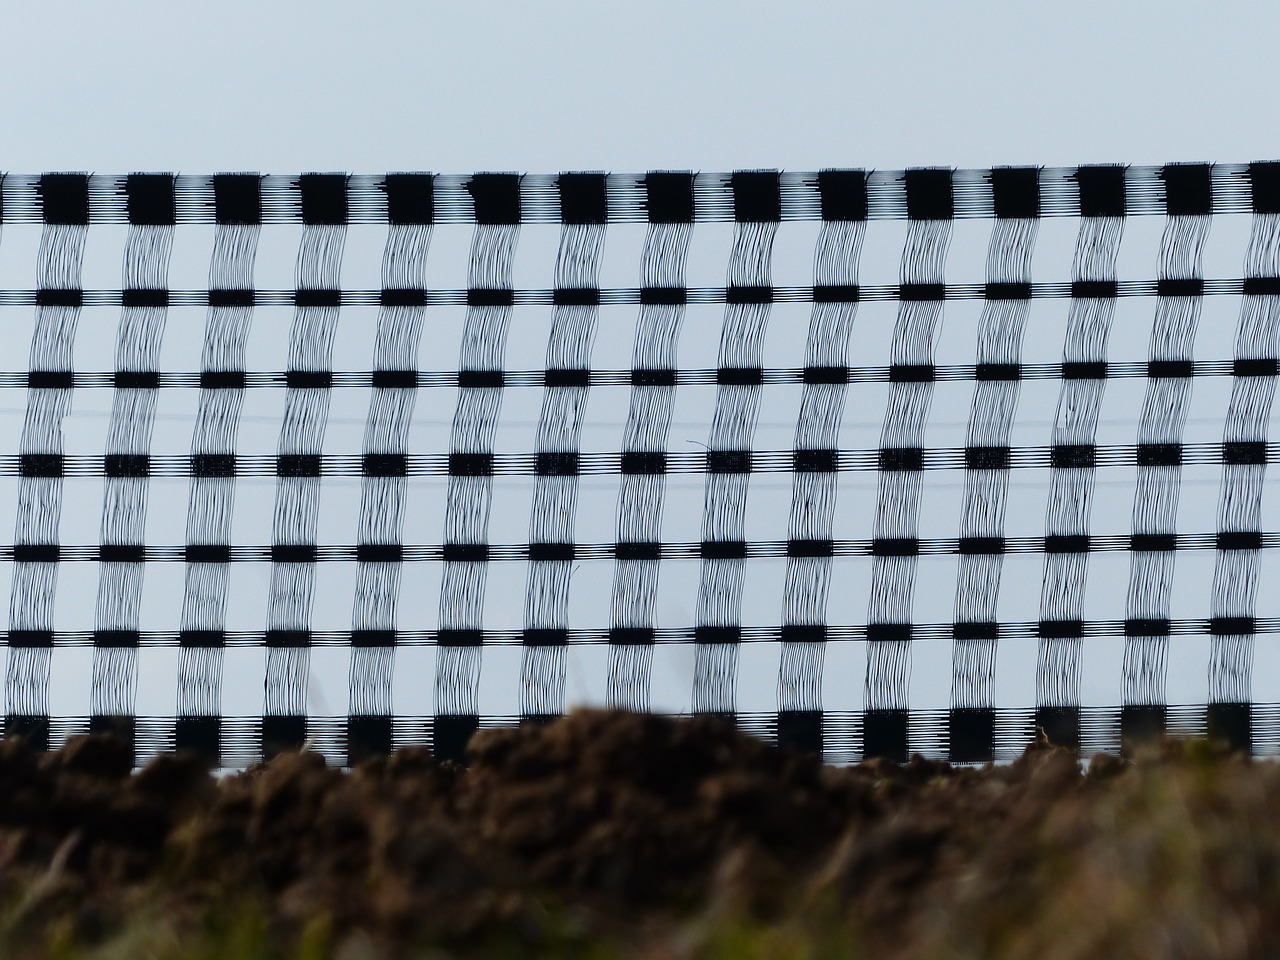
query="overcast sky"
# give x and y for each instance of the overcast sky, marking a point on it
(565, 84)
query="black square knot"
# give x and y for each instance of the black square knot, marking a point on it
(324, 198)
(1244, 452)
(1084, 370)
(723, 549)
(986, 458)
(1102, 191)
(149, 197)
(1015, 192)
(557, 464)
(480, 379)
(895, 547)
(237, 198)
(1094, 289)
(298, 465)
(471, 464)
(669, 197)
(729, 461)
(810, 548)
(384, 465)
(929, 194)
(1007, 291)
(815, 461)
(757, 196)
(213, 465)
(126, 465)
(136, 380)
(584, 198)
(1159, 454)
(1254, 367)
(912, 373)
(402, 297)
(1170, 369)
(496, 197)
(1066, 543)
(1188, 189)
(836, 293)
(410, 198)
(64, 198)
(1073, 456)
(740, 376)
(144, 297)
(576, 297)
(379, 553)
(40, 465)
(843, 194)
(902, 458)
(644, 463)
(748, 294)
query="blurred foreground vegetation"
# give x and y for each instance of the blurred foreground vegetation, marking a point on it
(619, 835)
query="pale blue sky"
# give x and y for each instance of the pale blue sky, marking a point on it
(562, 84)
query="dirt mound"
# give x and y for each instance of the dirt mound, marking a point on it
(626, 828)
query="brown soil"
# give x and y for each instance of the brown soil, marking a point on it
(638, 831)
